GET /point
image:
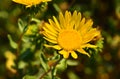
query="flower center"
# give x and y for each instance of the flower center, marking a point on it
(69, 39)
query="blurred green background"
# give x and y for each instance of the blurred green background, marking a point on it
(105, 14)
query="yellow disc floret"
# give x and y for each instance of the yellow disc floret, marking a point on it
(69, 39)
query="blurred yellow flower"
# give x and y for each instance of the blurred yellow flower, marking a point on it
(31, 29)
(30, 3)
(70, 33)
(10, 61)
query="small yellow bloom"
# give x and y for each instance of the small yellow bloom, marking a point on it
(31, 30)
(30, 3)
(10, 61)
(70, 33)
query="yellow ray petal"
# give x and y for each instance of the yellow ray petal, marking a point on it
(89, 46)
(78, 19)
(86, 26)
(49, 36)
(81, 24)
(50, 28)
(67, 15)
(82, 51)
(90, 35)
(64, 53)
(46, 0)
(57, 47)
(62, 21)
(20, 2)
(57, 23)
(49, 32)
(29, 3)
(71, 25)
(50, 40)
(74, 15)
(68, 19)
(54, 25)
(74, 55)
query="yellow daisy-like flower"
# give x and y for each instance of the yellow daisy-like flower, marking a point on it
(30, 3)
(70, 33)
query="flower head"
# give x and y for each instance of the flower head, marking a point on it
(10, 61)
(70, 33)
(30, 3)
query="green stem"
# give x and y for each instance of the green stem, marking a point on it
(54, 65)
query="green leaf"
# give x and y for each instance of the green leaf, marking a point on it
(62, 65)
(72, 75)
(43, 61)
(99, 45)
(22, 64)
(35, 20)
(88, 70)
(72, 62)
(57, 7)
(12, 43)
(21, 25)
(27, 55)
(29, 77)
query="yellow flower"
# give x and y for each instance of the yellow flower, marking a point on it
(10, 61)
(31, 30)
(30, 3)
(70, 33)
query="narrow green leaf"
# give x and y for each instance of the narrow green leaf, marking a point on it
(35, 20)
(12, 43)
(57, 7)
(72, 75)
(29, 77)
(72, 62)
(62, 65)
(21, 25)
(43, 61)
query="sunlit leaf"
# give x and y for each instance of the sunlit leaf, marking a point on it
(72, 62)
(21, 25)
(12, 43)
(72, 75)
(43, 61)
(22, 64)
(57, 7)
(29, 77)
(62, 65)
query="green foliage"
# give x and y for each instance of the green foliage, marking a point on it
(21, 25)
(62, 65)
(72, 75)
(43, 61)
(29, 77)
(12, 43)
